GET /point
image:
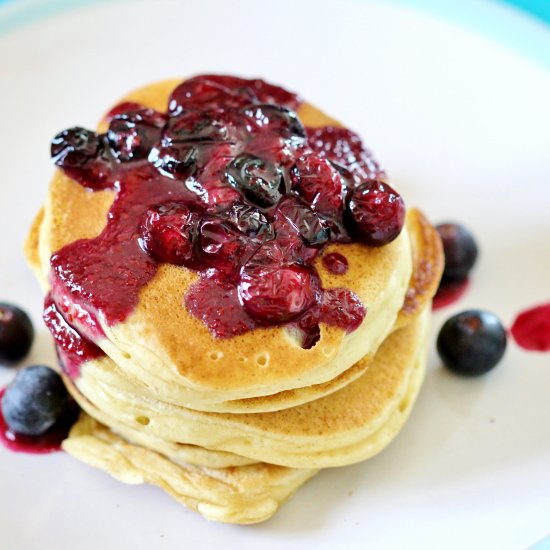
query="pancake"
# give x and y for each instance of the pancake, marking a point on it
(176, 452)
(428, 264)
(330, 431)
(244, 494)
(232, 426)
(152, 343)
(427, 267)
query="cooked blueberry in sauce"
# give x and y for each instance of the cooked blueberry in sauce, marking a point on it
(177, 161)
(16, 334)
(377, 213)
(168, 233)
(131, 134)
(258, 180)
(231, 185)
(75, 147)
(319, 184)
(78, 152)
(306, 222)
(277, 295)
(275, 118)
(224, 246)
(247, 219)
(345, 149)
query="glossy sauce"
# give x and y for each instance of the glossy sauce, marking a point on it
(531, 328)
(185, 157)
(449, 292)
(73, 349)
(335, 263)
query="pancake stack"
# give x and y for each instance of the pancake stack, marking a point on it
(232, 426)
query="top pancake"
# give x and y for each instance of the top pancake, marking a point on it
(160, 340)
(427, 267)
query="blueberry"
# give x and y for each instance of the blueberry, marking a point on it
(175, 161)
(198, 127)
(280, 119)
(311, 228)
(75, 147)
(247, 219)
(220, 241)
(133, 133)
(256, 179)
(319, 184)
(83, 155)
(376, 212)
(460, 250)
(16, 334)
(274, 294)
(167, 233)
(34, 401)
(471, 342)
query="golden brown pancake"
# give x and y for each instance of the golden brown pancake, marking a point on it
(152, 344)
(232, 427)
(427, 268)
(316, 434)
(242, 494)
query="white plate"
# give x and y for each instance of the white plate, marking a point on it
(462, 124)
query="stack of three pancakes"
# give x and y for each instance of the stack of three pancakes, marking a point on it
(232, 427)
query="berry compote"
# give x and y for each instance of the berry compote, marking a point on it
(229, 183)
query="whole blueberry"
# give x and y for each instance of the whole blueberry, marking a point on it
(471, 342)
(256, 179)
(34, 401)
(376, 213)
(75, 147)
(16, 334)
(460, 250)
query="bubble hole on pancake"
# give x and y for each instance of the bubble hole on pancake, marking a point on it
(202, 371)
(320, 433)
(243, 494)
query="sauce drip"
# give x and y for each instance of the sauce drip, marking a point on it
(49, 442)
(335, 263)
(72, 348)
(531, 328)
(449, 292)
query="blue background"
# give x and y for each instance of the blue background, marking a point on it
(536, 8)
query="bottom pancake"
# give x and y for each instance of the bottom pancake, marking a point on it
(241, 494)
